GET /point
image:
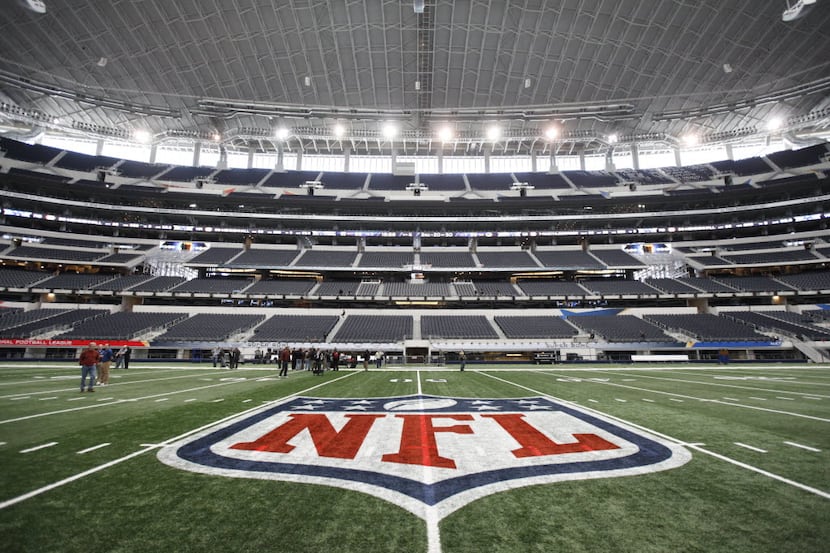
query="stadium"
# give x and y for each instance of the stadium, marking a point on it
(500, 276)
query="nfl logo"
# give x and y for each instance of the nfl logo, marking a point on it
(430, 454)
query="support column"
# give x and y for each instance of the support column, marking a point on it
(635, 157)
(153, 152)
(552, 166)
(440, 155)
(533, 160)
(251, 152)
(299, 160)
(99, 147)
(347, 154)
(197, 153)
(279, 165)
(677, 157)
(729, 154)
(581, 160)
(487, 151)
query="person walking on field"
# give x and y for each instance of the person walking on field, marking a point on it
(284, 359)
(88, 360)
(366, 356)
(104, 365)
(462, 358)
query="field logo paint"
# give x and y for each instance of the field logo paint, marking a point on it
(429, 454)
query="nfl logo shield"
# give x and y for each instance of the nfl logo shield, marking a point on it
(429, 454)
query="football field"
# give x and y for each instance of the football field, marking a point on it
(513, 459)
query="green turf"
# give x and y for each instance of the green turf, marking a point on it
(141, 504)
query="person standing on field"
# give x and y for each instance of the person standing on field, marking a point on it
(104, 365)
(88, 361)
(462, 358)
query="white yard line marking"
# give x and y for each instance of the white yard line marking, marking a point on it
(21, 397)
(705, 383)
(189, 400)
(758, 398)
(808, 448)
(418, 375)
(116, 384)
(593, 401)
(752, 448)
(162, 399)
(2, 443)
(719, 402)
(620, 400)
(648, 400)
(44, 489)
(675, 399)
(247, 400)
(93, 448)
(48, 398)
(218, 400)
(75, 398)
(36, 448)
(804, 487)
(731, 398)
(115, 402)
(810, 397)
(105, 399)
(787, 398)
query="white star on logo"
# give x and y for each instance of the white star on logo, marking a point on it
(480, 402)
(361, 402)
(355, 408)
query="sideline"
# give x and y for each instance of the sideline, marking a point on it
(151, 447)
(695, 447)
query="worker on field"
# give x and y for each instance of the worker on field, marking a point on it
(462, 358)
(88, 361)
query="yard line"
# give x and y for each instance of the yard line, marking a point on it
(116, 384)
(593, 401)
(246, 400)
(752, 448)
(620, 400)
(22, 397)
(787, 398)
(793, 483)
(648, 400)
(48, 398)
(418, 375)
(731, 398)
(75, 398)
(742, 405)
(810, 397)
(808, 448)
(70, 479)
(675, 399)
(758, 398)
(218, 400)
(93, 448)
(716, 383)
(189, 400)
(162, 399)
(60, 411)
(36, 448)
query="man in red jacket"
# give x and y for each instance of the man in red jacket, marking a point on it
(88, 360)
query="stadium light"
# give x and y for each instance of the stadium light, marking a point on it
(613, 138)
(552, 133)
(797, 9)
(282, 133)
(493, 133)
(390, 131)
(142, 135)
(339, 130)
(691, 139)
(445, 134)
(774, 124)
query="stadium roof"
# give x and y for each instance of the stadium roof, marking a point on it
(237, 70)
